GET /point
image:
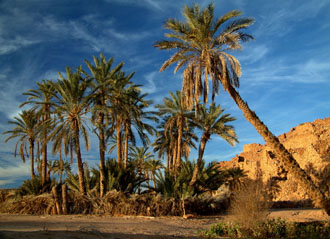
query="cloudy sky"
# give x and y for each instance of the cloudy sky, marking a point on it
(286, 70)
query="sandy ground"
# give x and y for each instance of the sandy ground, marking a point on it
(90, 227)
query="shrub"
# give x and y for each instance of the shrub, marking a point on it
(272, 228)
(250, 205)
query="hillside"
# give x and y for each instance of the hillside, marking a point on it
(310, 145)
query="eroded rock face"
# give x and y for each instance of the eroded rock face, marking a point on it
(308, 142)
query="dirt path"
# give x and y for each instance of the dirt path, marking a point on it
(90, 227)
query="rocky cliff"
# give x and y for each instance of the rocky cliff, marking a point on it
(310, 145)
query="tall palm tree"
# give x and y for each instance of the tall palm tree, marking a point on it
(41, 99)
(201, 45)
(135, 116)
(212, 121)
(121, 88)
(71, 108)
(178, 117)
(26, 130)
(102, 75)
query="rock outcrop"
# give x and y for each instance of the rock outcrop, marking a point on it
(310, 145)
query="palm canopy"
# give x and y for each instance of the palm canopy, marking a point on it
(201, 44)
(178, 119)
(26, 129)
(102, 75)
(41, 100)
(212, 121)
(72, 105)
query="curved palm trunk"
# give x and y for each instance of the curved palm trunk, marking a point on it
(102, 154)
(31, 148)
(119, 144)
(82, 185)
(280, 151)
(201, 149)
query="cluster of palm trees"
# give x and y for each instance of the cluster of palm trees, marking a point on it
(106, 99)
(202, 44)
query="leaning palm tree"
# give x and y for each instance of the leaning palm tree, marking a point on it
(178, 116)
(201, 45)
(102, 75)
(26, 130)
(71, 109)
(41, 100)
(212, 121)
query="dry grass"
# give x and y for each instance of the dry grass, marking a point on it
(117, 203)
(250, 205)
(36, 205)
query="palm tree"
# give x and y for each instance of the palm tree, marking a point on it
(26, 130)
(136, 117)
(212, 121)
(178, 118)
(201, 45)
(59, 167)
(71, 108)
(102, 75)
(235, 177)
(121, 88)
(41, 101)
(140, 155)
(154, 165)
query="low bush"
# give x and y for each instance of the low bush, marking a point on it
(271, 228)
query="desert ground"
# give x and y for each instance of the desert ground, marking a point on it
(90, 226)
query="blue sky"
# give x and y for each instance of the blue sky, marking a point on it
(286, 70)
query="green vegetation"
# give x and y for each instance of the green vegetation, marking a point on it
(271, 228)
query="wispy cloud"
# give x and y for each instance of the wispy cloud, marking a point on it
(150, 86)
(12, 45)
(19, 170)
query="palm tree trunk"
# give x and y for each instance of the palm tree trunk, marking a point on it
(174, 158)
(82, 185)
(102, 153)
(31, 141)
(280, 151)
(119, 144)
(178, 160)
(44, 149)
(126, 145)
(201, 149)
(154, 179)
(44, 161)
(167, 160)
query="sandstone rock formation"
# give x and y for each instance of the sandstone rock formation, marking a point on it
(310, 145)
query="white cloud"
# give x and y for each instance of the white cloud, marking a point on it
(150, 86)
(253, 54)
(6, 181)
(19, 170)
(12, 45)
